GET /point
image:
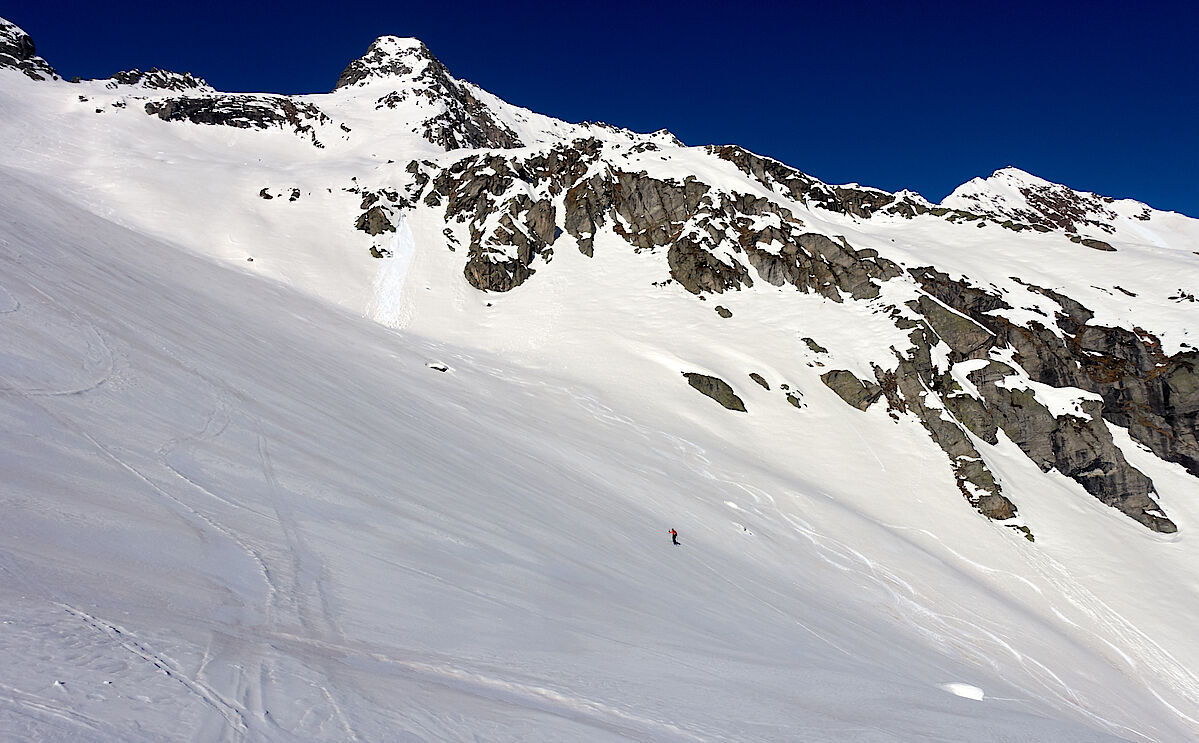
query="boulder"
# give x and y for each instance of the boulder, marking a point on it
(717, 389)
(852, 390)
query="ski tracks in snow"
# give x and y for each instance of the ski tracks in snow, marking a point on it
(233, 714)
(958, 632)
(534, 696)
(295, 577)
(92, 354)
(1151, 662)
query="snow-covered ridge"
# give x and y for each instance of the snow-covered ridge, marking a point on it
(1013, 194)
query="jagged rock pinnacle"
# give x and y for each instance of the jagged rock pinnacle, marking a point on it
(389, 57)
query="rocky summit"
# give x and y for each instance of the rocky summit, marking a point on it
(405, 360)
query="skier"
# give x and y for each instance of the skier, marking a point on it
(674, 536)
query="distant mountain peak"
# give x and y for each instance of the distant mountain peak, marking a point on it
(390, 57)
(1015, 194)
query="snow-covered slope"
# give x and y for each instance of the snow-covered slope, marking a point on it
(351, 490)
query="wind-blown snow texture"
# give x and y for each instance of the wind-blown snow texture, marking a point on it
(324, 495)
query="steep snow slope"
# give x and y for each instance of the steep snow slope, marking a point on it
(270, 517)
(233, 511)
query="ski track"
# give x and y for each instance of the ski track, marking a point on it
(97, 347)
(956, 635)
(533, 696)
(234, 715)
(46, 710)
(1151, 657)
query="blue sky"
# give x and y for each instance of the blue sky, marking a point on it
(1101, 96)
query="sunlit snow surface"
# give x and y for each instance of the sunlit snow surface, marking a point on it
(234, 510)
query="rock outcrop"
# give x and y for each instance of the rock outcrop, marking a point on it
(156, 79)
(783, 179)
(17, 52)
(243, 111)
(855, 392)
(1078, 446)
(717, 389)
(1154, 396)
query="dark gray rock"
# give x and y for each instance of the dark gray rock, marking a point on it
(814, 346)
(780, 178)
(375, 221)
(156, 79)
(243, 111)
(717, 389)
(964, 336)
(915, 386)
(1153, 395)
(699, 271)
(759, 379)
(17, 52)
(1081, 448)
(817, 263)
(381, 60)
(1091, 242)
(852, 390)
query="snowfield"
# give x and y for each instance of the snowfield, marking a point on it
(324, 496)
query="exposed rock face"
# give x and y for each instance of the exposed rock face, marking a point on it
(1155, 397)
(852, 390)
(243, 111)
(916, 386)
(703, 232)
(717, 389)
(18, 53)
(860, 202)
(1080, 447)
(462, 119)
(375, 221)
(964, 336)
(816, 263)
(509, 229)
(157, 79)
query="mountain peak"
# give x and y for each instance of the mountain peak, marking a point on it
(1014, 194)
(1013, 175)
(389, 57)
